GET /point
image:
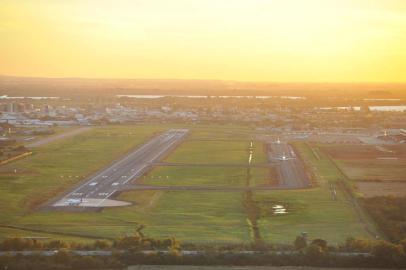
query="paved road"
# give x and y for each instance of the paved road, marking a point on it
(291, 172)
(96, 191)
(64, 135)
(48, 253)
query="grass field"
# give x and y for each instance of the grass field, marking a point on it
(217, 152)
(206, 176)
(190, 216)
(206, 217)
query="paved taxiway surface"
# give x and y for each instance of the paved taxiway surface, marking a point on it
(96, 191)
(291, 172)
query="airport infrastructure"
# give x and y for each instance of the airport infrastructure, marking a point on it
(98, 189)
(290, 169)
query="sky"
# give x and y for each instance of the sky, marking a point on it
(243, 40)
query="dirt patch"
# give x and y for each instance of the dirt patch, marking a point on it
(373, 189)
(364, 152)
(391, 170)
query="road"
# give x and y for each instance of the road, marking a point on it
(97, 190)
(64, 135)
(103, 253)
(291, 172)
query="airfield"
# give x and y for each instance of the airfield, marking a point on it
(97, 189)
(198, 183)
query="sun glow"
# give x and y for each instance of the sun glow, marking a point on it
(265, 40)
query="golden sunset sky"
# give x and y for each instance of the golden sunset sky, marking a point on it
(246, 40)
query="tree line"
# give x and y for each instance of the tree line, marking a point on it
(130, 250)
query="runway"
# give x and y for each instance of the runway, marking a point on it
(97, 190)
(291, 172)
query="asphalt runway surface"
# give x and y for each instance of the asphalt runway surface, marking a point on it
(97, 190)
(291, 172)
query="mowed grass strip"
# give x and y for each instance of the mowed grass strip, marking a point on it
(206, 176)
(56, 167)
(44, 237)
(217, 152)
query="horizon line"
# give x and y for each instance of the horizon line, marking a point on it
(183, 79)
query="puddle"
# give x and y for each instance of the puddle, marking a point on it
(278, 209)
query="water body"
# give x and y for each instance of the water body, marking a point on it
(193, 96)
(382, 99)
(401, 108)
(37, 98)
(279, 209)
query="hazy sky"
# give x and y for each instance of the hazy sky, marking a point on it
(250, 40)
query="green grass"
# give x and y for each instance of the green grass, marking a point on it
(212, 152)
(197, 216)
(206, 176)
(190, 216)
(312, 211)
(11, 233)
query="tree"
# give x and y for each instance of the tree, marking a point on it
(403, 244)
(321, 243)
(57, 244)
(314, 252)
(100, 244)
(387, 252)
(300, 242)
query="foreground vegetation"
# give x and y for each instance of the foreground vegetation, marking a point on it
(140, 250)
(390, 214)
